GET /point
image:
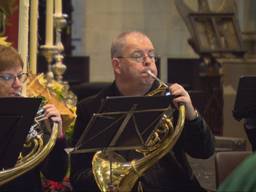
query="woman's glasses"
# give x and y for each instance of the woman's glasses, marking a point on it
(10, 78)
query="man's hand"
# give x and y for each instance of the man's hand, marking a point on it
(181, 96)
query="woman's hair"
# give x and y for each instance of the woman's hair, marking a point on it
(9, 58)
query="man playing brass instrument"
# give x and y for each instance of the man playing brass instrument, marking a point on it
(54, 166)
(133, 58)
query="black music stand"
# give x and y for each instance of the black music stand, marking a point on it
(245, 102)
(16, 117)
(123, 123)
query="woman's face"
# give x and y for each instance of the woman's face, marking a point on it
(11, 82)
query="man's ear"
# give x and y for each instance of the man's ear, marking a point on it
(116, 65)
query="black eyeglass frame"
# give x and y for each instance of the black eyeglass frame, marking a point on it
(140, 58)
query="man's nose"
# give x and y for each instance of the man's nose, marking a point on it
(147, 60)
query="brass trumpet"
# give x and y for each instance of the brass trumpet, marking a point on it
(122, 175)
(38, 149)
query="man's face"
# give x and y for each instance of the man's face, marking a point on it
(11, 82)
(137, 58)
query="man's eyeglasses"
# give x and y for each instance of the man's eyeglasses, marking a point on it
(139, 56)
(10, 78)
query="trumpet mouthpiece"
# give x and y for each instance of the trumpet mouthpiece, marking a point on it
(156, 78)
(151, 74)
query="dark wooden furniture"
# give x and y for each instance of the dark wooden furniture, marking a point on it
(77, 71)
(206, 90)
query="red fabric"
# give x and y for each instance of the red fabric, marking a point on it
(53, 186)
(12, 26)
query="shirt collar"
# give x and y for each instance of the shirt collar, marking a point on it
(116, 91)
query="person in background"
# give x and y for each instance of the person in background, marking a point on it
(133, 55)
(242, 178)
(54, 167)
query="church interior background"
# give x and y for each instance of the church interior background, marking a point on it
(96, 22)
(91, 25)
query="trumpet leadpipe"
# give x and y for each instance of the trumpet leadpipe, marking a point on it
(156, 78)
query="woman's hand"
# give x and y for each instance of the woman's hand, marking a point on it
(51, 112)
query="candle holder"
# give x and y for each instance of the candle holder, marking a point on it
(48, 51)
(59, 67)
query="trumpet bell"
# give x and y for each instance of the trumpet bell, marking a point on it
(109, 173)
(111, 170)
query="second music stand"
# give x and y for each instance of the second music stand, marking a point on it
(245, 102)
(16, 117)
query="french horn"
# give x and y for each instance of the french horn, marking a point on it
(122, 175)
(38, 150)
(37, 147)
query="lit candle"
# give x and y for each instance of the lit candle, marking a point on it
(58, 7)
(33, 36)
(49, 23)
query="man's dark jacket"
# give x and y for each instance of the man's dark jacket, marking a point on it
(171, 173)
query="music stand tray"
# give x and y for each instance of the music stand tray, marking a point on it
(123, 123)
(245, 101)
(16, 117)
